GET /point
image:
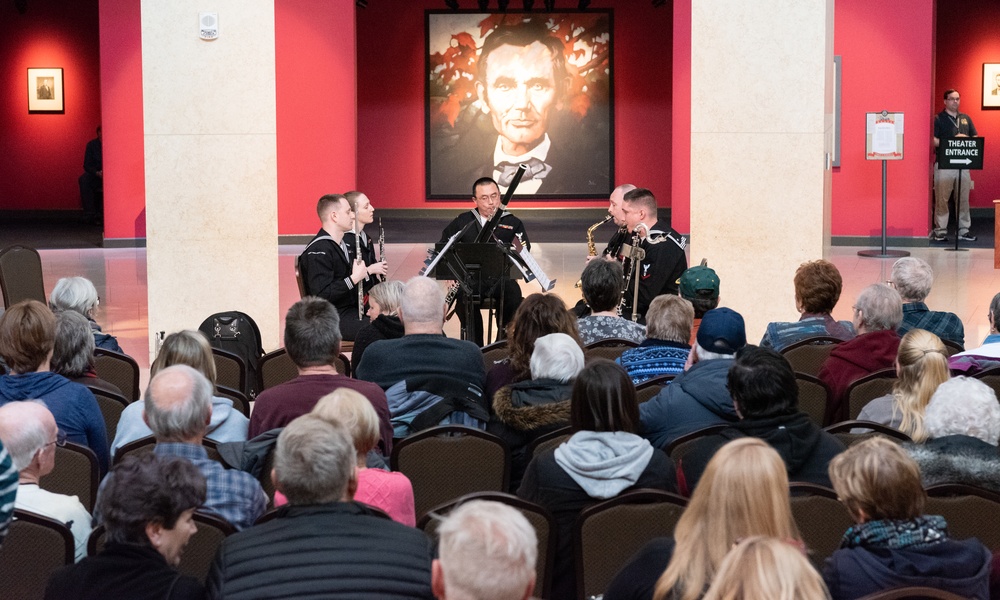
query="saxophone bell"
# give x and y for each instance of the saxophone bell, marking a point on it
(591, 247)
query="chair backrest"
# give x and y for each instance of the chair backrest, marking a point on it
(230, 370)
(342, 364)
(21, 275)
(276, 367)
(866, 389)
(549, 440)
(494, 354)
(609, 533)
(198, 553)
(845, 431)
(610, 348)
(990, 377)
(913, 593)
(683, 444)
(821, 518)
(539, 517)
(145, 445)
(240, 401)
(813, 396)
(298, 280)
(970, 512)
(120, 370)
(112, 406)
(952, 348)
(75, 474)
(35, 546)
(266, 483)
(449, 461)
(647, 390)
(807, 356)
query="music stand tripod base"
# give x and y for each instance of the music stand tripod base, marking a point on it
(883, 253)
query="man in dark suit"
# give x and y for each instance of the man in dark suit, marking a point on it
(92, 180)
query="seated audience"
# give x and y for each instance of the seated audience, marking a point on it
(817, 289)
(962, 421)
(487, 551)
(192, 349)
(312, 340)
(527, 410)
(146, 506)
(178, 408)
(665, 349)
(877, 314)
(766, 397)
(744, 493)
(29, 432)
(894, 544)
(602, 284)
(388, 491)
(700, 286)
(27, 337)
(603, 458)
(538, 315)
(73, 353)
(921, 366)
(698, 397)
(424, 369)
(986, 356)
(765, 568)
(79, 295)
(383, 313)
(322, 544)
(912, 277)
(8, 490)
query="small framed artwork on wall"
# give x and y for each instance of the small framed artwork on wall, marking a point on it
(45, 90)
(991, 85)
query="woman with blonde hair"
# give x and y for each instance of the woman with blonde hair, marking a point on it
(765, 568)
(384, 324)
(921, 366)
(744, 492)
(189, 348)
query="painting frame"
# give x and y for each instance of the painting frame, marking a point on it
(991, 86)
(45, 90)
(466, 128)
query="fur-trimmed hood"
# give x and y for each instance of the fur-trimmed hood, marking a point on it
(528, 405)
(957, 459)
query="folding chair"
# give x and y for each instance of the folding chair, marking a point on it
(75, 473)
(21, 275)
(868, 388)
(821, 518)
(807, 355)
(120, 370)
(813, 396)
(34, 548)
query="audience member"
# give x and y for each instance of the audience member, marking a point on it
(766, 397)
(986, 356)
(312, 340)
(962, 421)
(29, 432)
(603, 458)
(698, 398)
(192, 349)
(8, 490)
(538, 315)
(385, 490)
(73, 352)
(602, 283)
(322, 545)
(912, 277)
(765, 568)
(147, 507)
(877, 314)
(383, 311)
(178, 409)
(27, 337)
(744, 492)
(527, 410)
(700, 286)
(665, 350)
(79, 295)
(817, 289)
(487, 551)
(425, 369)
(921, 366)
(894, 544)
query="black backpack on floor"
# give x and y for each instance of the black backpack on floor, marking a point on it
(234, 331)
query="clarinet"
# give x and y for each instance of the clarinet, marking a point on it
(381, 246)
(357, 256)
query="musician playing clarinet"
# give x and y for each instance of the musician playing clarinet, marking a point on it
(486, 195)
(377, 269)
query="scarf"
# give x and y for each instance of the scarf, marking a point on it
(895, 534)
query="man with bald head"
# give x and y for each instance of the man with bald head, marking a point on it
(29, 432)
(178, 408)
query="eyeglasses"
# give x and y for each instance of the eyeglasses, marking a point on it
(60, 439)
(492, 196)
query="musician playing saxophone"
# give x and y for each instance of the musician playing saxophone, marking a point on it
(377, 269)
(486, 195)
(664, 261)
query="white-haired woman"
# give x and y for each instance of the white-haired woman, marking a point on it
(78, 294)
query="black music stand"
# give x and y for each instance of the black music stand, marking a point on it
(474, 266)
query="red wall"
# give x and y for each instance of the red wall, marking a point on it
(43, 153)
(900, 35)
(681, 114)
(391, 101)
(971, 27)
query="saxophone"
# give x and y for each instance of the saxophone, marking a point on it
(591, 247)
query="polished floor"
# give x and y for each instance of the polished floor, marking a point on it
(966, 281)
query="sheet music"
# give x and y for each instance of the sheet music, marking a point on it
(543, 279)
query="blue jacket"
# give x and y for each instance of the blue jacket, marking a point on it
(694, 400)
(73, 406)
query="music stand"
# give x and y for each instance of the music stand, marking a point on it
(473, 266)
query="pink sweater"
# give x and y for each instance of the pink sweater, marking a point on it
(391, 492)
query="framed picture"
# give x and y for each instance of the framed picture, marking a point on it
(991, 85)
(519, 88)
(45, 90)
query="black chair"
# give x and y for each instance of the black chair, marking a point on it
(678, 448)
(845, 432)
(34, 548)
(813, 396)
(821, 519)
(990, 377)
(913, 593)
(146, 444)
(549, 440)
(120, 370)
(21, 275)
(969, 510)
(276, 367)
(230, 370)
(240, 401)
(76, 473)
(494, 354)
(112, 406)
(648, 389)
(952, 348)
(610, 348)
(864, 390)
(807, 355)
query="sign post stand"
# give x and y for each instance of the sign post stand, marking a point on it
(884, 141)
(963, 154)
